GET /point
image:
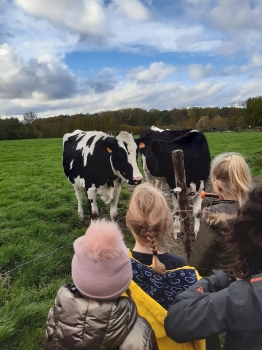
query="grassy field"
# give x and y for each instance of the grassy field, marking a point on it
(38, 223)
(249, 144)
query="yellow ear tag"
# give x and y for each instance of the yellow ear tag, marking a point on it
(109, 150)
(142, 145)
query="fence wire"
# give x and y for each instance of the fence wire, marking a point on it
(42, 256)
(60, 248)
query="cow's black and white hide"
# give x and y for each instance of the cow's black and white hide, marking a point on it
(154, 133)
(157, 163)
(98, 163)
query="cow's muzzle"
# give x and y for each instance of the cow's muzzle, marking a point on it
(136, 181)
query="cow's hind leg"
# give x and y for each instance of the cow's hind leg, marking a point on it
(78, 192)
(91, 194)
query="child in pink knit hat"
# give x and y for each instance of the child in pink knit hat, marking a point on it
(93, 313)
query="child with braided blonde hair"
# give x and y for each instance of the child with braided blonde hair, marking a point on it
(151, 223)
(158, 276)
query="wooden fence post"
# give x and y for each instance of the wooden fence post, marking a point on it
(180, 192)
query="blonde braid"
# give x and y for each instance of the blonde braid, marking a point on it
(157, 265)
(145, 223)
(152, 241)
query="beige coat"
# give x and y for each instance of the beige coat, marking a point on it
(78, 323)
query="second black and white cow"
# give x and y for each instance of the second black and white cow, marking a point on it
(157, 163)
(154, 133)
(98, 163)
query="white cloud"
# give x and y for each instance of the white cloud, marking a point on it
(229, 70)
(257, 60)
(244, 69)
(133, 9)
(10, 64)
(228, 48)
(86, 17)
(235, 23)
(237, 15)
(161, 37)
(32, 37)
(199, 72)
(218, 92)
(196, 9)
(124, 24)
(156, 72)
(45, 77)
(176, 94)
(36, 35)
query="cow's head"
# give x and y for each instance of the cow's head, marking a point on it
(122, 150)
(142, 142)
(156, 146)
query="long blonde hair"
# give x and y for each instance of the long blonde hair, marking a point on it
(233, 173)
(150, 220)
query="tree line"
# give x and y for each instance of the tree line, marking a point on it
(136, 120)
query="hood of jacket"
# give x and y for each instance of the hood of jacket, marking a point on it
(256, 284)
(79, 322)
(217, 215)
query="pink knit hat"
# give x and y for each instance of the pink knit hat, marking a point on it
(101, 266)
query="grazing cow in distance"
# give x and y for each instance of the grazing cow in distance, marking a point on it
(98, 163)
(156, 148)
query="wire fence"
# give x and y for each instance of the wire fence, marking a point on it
(38, 258)
(60, 248)
(42, 256)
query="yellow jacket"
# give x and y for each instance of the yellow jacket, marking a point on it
(155, 314)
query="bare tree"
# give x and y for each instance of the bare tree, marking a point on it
(29, 117)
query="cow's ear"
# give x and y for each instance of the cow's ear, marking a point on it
(156, 146)
(142, 142)
(108, 146)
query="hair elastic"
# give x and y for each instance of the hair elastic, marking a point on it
(154, 252)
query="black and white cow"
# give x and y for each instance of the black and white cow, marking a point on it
(98, 163)
(154, 133)
(156, 148)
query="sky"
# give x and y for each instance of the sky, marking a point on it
(86, 56)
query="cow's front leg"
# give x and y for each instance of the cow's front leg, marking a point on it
(91, 194)
(158, 183)
(149, 177)
(197, 201)
(114, 202)
(78, 192)
(177, 226)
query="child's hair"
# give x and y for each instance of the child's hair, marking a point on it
(246, 234)
(150, 220)
(234, 174)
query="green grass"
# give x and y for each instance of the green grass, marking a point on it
(249, 144)
(38, 215)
